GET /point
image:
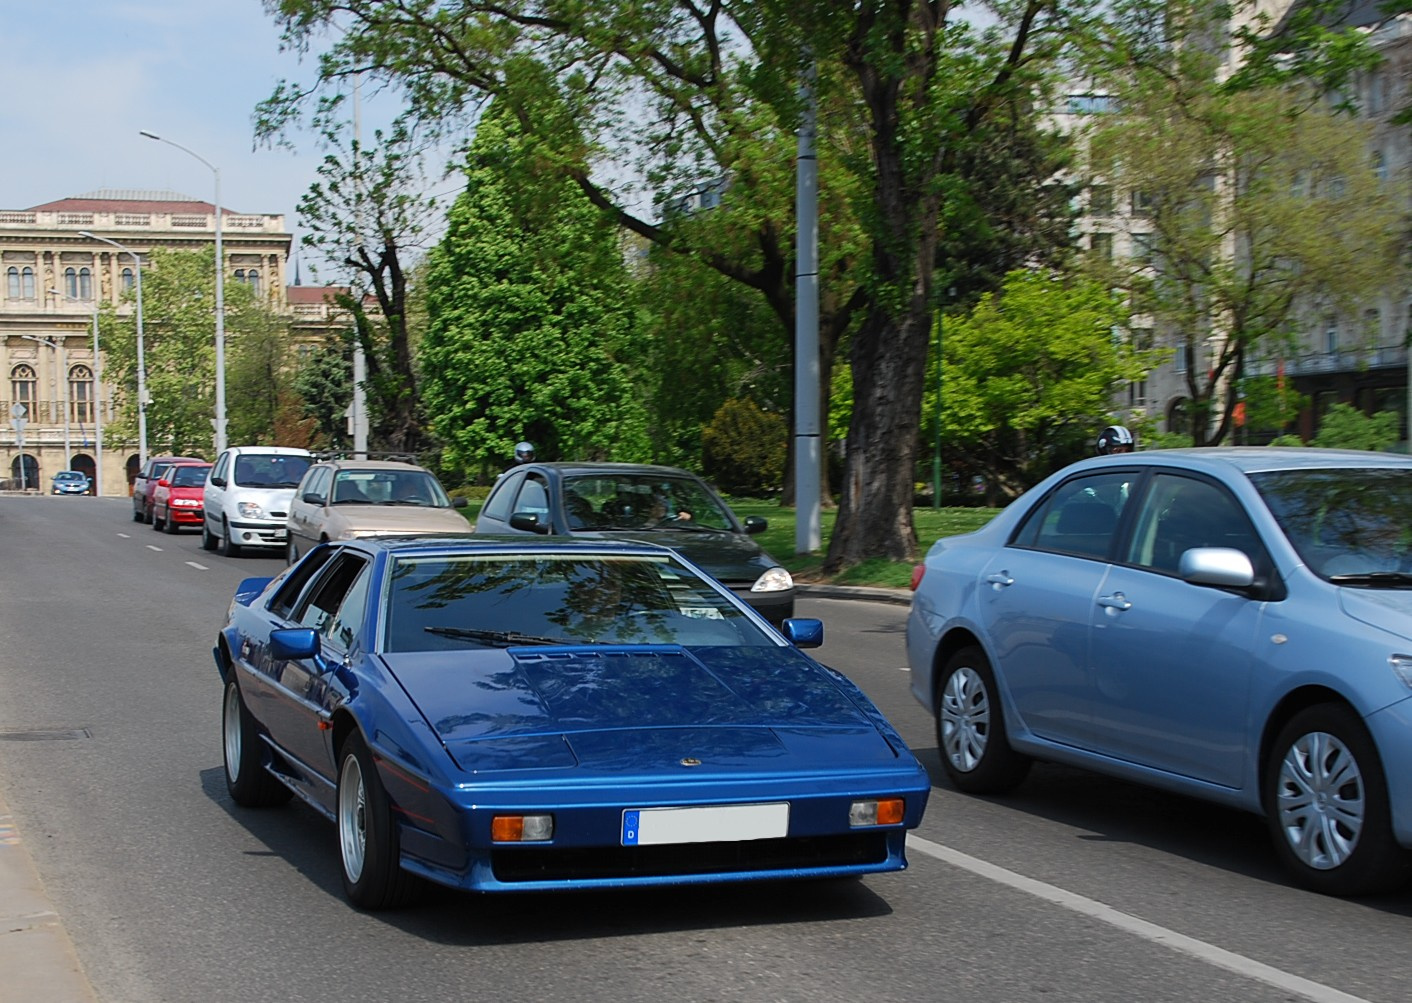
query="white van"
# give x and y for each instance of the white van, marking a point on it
(247, 496)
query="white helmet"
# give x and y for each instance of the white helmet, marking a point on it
(524, 452)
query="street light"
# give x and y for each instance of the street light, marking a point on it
(97, 397)
(141, 358)
(219, 424)
(62, 357)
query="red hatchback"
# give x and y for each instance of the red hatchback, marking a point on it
(176, 497)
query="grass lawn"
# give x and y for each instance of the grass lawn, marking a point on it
(778, 540)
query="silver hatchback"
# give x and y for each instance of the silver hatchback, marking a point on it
(1231, 624)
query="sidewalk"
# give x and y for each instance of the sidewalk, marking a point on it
(36, 955)
(897, 597)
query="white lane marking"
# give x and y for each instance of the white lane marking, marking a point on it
(126, 536)
(904, 668)
(153, 547)
(1199, 949)
(198, 567)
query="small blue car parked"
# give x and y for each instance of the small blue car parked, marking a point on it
(70, 482)
(1232, 624)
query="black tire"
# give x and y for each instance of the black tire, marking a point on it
(157, 524)
(249, 783)
(368, 847)
(1326, 805)
(208, 542)
(147, 513)
(228, 548)
(170, 524)
(136, 512)
(970, 728)
(291, 552)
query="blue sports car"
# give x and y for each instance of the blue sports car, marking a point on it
(528, 714)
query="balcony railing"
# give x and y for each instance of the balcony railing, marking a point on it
(1318, 363)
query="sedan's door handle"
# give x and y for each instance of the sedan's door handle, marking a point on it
(1000, 579)
(1117, 601)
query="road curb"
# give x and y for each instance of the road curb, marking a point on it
(36, 954)
(897, 597)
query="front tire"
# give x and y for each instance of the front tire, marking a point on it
(368, 846)
(1326, 804)
(170, 524)
(249, 783)
(970, 728)
(227, 547)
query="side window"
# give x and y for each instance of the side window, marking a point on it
(1081, 516)
(497, 506)
(218, 473)
(534, 496)
(282, 605)
(320, 605)
(1180, 513)
(352, 611)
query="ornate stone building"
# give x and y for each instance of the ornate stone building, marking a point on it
(54, 274)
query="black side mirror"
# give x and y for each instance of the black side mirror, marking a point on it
(459, 502)
(756, 524)
(312, 498)
(529, 522)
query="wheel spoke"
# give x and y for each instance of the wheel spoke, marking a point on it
(965, 719)
(1321, 800)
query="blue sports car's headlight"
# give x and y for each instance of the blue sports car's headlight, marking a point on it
(773, 580)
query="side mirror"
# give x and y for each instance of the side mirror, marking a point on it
(1222, 567)
(528, 522)
(163, 483)
(218, 481)
(311, 498)
(294, 644)
(803, 632)
(459, 502)
(755, 524)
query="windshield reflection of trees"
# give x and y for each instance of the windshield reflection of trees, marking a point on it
(580, 601)
(1343, 520)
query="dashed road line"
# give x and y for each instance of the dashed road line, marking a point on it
(1199, 949)
(152, 546)
(198, 567)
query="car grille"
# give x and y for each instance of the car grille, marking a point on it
(524, 863)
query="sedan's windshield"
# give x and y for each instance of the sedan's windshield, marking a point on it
(459, 601)
(1349, 524)
(642, 501)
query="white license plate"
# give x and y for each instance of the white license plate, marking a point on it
(730, 823)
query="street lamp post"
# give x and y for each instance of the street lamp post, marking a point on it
(61, 356)
(219, 424)
(141, 359)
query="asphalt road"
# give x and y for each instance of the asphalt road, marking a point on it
(1075, 888)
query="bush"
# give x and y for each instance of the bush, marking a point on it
(743, 449)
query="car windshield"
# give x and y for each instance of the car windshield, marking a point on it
(642, 501)
(458, 601)
(389, 487)
(1347, 523)
(188, 477)
(269, 470)
(68, 475)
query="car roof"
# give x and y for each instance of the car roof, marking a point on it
(1253, 459)
(590, 467)
(505, 544)
(345, 464)
(269, 450)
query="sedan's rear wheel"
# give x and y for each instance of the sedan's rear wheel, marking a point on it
(1326, 802)
(970, 727)
(291, 552)
(157, 524)
(368, 844)
(247, 780)
(208, 540)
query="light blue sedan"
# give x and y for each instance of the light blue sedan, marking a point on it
(1231, 624)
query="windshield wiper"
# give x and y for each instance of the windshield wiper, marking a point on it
(1387, 579)
(504, 637)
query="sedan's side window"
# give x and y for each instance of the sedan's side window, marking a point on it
(534, 496)
(497, 506)
(1180, 513)
(1081, 516)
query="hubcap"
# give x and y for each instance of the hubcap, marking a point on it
(352, 817)
(965, 719)
(1321, 800)
(230, 721)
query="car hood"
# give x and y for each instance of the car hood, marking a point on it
(1386, 609)
(624, 709)
(727, 557)
(399, 519)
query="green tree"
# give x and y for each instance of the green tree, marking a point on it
(532, 323)
(1029, 376)
(1345, 427)
(681, 95)
(743, 448)
(259, 380)
(324, 385)
(1259, 207)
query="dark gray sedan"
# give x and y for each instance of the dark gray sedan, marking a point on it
(661, 505)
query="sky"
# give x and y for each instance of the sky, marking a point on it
(82, 78)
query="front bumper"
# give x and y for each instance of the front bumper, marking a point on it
(258, 534)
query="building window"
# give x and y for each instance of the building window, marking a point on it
(1101, 244)
(1380, 166)
(1100, 200)
(81, 394)
(1373, 324)
(78, 283)
(1330, 335)
(1142, 247)
(1137, 393)
(127, 279)
(1142, 203)
(23, 387)
(20, 282)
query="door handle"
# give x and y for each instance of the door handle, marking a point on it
(999, 580)
(1117, 601)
